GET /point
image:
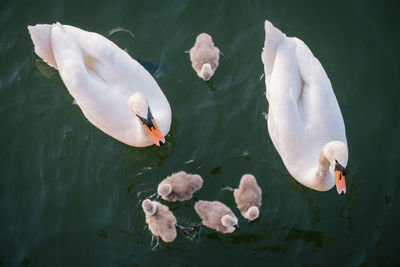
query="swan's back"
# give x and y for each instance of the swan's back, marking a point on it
(303, 111)
(100, 77)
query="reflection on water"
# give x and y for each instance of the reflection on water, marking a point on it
(216, 171)
(103, 233)
(45, 69)
(350, 197)
(212, 235)
(274, 248)
(128, 234)
(26, 262)
(154, 67)
(316, 238)
(247, 238)
(211, 85)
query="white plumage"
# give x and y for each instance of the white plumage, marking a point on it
(101, 77)
(304, 121)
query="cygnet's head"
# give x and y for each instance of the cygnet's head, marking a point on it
(229, 221)
(204, 38)
(149, 207)
(140, 107)
(206, 72)
(253, 213)
(164, 189)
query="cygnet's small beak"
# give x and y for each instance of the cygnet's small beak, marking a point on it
(236, 226)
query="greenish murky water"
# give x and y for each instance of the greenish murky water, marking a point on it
(70, 195)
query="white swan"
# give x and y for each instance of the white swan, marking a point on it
(114, 92)
(304, 121)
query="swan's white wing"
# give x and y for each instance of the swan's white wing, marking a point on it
(283, 82)
(322, 116)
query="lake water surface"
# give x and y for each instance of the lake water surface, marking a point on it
(71, 195)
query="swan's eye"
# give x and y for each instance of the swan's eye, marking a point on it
(143, 120)
(149, 121)
(340, 168)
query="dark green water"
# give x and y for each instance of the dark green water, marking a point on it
(70, 195)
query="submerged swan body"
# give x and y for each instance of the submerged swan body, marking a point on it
(304, 119)
(101, 78)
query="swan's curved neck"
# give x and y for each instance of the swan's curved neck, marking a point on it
(323, 166)
(330, 153)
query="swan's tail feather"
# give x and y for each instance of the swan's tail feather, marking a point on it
(273, 36)
(273, 39)
(40, 35)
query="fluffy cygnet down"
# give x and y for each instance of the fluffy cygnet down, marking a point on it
(248, 197)
(216, 215)
(160, 220)
(179, 186)
(204, 56)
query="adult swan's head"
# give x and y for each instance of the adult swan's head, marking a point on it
(334, 154)
(139, 105)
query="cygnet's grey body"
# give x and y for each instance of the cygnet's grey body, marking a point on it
(248, 197)
(160, 220)
(213, 214)
(204, 56)
(179, 186)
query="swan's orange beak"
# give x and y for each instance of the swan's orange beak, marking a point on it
(155, 133)
(151, 126)
(340, 182)
(340, 173)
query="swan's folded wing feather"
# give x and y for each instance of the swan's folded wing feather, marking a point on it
(322, 114)
(123, 73)
(91, 93)
(285, 84)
